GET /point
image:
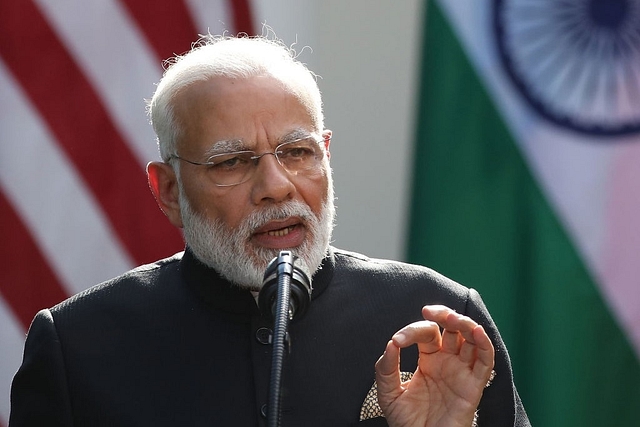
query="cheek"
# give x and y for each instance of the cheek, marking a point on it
(230, 210)
(217, 203)
(315, 191)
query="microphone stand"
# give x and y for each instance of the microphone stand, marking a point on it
(282, 268)
(282, 316)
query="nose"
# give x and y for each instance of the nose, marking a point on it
(271, 182)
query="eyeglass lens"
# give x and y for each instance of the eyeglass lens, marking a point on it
(237, 167)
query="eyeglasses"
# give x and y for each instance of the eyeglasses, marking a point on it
(227, 169)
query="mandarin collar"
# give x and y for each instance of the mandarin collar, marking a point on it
(221, 295)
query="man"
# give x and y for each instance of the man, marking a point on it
(246, 174)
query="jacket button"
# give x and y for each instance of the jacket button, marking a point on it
(263, 335)
(263, 411)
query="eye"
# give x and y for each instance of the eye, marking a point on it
(298, 150)
(229, 162)
(295, 152)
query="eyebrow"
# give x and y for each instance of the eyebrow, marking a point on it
(230, 145)
(295, 135)
(225, 146)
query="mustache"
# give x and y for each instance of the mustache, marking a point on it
(292, 208)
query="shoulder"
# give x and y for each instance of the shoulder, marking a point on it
(396, 276)
(129, 286)
(359, 263)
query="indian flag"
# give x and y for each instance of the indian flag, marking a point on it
(527, 188)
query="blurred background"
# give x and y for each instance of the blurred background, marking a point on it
(496, 141)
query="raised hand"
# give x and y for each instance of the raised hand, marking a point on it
(454, 366)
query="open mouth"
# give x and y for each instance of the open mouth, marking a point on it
(281, 232)
(287, 233)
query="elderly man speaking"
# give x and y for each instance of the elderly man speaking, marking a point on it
(245, 173)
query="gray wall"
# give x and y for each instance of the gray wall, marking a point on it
(367, 54)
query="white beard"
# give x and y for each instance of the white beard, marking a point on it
(229, 251)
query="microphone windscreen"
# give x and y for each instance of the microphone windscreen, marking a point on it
(296, 272)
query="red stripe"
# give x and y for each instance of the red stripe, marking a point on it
(74, 113)
(167, 25)
(242, 17)
(27, 282)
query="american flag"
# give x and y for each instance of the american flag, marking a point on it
(75, 208)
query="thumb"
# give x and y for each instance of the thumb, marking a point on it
(388, 375)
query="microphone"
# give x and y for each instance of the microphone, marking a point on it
(285, 294)
(288, 268)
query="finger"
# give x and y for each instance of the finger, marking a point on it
(476, 346)
(451, 341)
(436, 313)
(424, 333)
(449, 319)
(388, 372)
(462, 324)
(485, 358)
(468, 353)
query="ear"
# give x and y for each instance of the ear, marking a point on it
(164, 185)
(326, 135)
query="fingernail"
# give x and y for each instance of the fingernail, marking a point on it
(400, 339)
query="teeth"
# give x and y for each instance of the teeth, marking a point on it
(280, 233)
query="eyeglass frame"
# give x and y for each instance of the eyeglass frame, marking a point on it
(255, 158)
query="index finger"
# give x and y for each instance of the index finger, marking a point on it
(437, 313)
(424, 333)
(450, 320)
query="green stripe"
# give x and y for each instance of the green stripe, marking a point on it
(479, 217)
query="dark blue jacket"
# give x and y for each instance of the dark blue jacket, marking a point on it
(174, 344)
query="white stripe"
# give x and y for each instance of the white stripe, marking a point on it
(42, 185)
(12, 338)
(619, 254)
(574, 170)
(214, 17)
(115, 58)
(570, 190)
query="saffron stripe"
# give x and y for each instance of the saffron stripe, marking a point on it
(98, 151)
(33, 287)
(167, 25)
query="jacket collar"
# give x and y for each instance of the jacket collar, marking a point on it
(221, 295)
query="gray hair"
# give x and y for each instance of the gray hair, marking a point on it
(232, 57)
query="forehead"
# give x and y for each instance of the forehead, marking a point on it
(249, 111)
